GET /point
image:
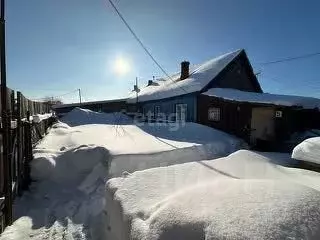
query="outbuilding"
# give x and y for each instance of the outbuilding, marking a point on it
(264, 120)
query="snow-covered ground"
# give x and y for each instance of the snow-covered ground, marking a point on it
(131, 147)
(72, 164)
(40, 117)
(308, 150)
(243, 196)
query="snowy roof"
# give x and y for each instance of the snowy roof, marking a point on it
(265, 98)
(200, 76)
(89, 103)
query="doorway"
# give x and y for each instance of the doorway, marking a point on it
(262, 125)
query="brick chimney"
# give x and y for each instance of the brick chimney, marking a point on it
(184, 70)
(152, 82)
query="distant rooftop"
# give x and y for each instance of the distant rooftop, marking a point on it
(89, 103)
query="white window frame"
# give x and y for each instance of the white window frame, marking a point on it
(181, 112)
(157, 110)
(214, 114)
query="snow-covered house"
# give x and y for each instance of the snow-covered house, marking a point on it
(177, 97)
(260, 118)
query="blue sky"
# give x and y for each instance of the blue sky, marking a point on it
(54, 47)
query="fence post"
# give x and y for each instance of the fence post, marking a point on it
(4, 120)
(6, 159)
(27, 151)
(19, 146)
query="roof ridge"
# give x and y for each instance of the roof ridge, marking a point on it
(198, 79)
(218, 57)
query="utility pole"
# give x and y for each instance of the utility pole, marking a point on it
(5, 122)
(79, 90)
(137, 89)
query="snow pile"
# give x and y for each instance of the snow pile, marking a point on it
(50, 165)
(265, 98)
(308, 150)
(67, 199)
(60, 125)
(72, 164)
(40, 117)
(199, 77)
(137, 148)
(79, 116)
(164, 147)
(242, 196)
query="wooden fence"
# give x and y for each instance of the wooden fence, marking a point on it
(18, 135)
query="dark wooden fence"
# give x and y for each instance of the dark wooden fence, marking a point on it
(21, 135)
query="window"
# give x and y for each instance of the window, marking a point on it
(181, 112)
(214, 114)
(156, 111)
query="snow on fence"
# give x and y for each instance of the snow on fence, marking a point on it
(18, 135)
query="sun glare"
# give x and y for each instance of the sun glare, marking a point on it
(121, 66)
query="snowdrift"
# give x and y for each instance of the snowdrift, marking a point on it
(67, 197)
(137, 148)
(191, 142)
(79, 116)
(245, 195)
(72, 164)
(68, 166)
(308, 150)
(40, 117)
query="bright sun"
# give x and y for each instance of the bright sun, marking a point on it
(121, 66)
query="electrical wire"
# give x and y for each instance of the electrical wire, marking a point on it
(58, 96)
(141, 43)
(288, 59)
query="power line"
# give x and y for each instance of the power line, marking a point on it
(141, 43)
(138, 39)
(58, 96)
(76, 90)
(285, 81)
(288, 59)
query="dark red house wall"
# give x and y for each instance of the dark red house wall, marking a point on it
(235, 118)
(295, 120)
